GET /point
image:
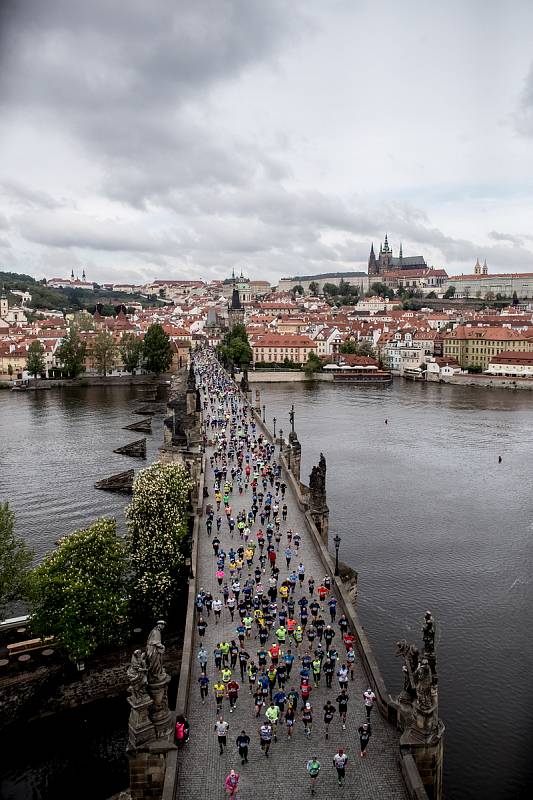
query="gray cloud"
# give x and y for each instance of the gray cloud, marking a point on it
(167, 181)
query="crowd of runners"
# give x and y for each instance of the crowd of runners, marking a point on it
(287, 638)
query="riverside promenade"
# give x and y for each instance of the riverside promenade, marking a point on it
(202, 769)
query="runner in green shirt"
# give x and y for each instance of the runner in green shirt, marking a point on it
(313, 768)
(272, 714)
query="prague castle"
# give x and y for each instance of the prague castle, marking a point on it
(386, 262)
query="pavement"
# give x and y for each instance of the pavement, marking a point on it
(283, 776)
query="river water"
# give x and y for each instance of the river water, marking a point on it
(431, 520)
(427, 516)
(54, 445)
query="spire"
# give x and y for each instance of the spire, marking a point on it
(386, 245)
(401, 251)
(233, 275)
(83, 275)
(372, 249)
(485, 268)
(72, 275)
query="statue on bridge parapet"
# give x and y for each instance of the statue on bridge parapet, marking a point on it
(317, 498)
(418, 708)
(154, 653)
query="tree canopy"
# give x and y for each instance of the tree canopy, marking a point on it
(131, 350)
(71, 352)
(235, 347)
(104, 351)
(449, 293)
(79, 592)
(157, 349)
(15, 560)
(157, 529)
(35, 363)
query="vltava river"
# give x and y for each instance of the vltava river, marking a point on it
(426, 514)
(431, 520)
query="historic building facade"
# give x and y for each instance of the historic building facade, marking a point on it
(386, 262)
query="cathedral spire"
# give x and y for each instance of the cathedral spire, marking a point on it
(386, 245)
(401, 251)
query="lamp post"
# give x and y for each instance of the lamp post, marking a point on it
(280, 438)
(264, 409)
(274, 421)
(337, 541)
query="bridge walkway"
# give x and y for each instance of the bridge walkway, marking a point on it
(283, 776)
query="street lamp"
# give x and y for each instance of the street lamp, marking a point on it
(274, 421)
(280, 438)
(337, 541)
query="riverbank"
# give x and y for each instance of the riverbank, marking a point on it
(94, 380)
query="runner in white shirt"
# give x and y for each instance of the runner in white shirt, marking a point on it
(217, 608)
(340, 760)
(221, 729)
(369, 697)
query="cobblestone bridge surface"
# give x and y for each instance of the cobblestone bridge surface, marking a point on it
(202, 770)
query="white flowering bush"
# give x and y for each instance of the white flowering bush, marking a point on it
(79, 591)
(157, 527)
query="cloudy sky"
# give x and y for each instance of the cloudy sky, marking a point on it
(146, 139)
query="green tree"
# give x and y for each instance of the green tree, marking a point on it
(235, 347)
(131, 350)
(10, 370)
(35, 363)
(157, 531)
(382, 290)
(71, 352)
(104, 351)
(298, 289)
(349, 347)
(313, 364)
(15, 560)
(489, 295)
(330, 289)
(79, 592)
(314, 288)
(366, 349)
(431, 296)
(515, 299)
(449, 293)
(157, 349)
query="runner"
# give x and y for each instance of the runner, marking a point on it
(231, 783)
(329, 711)
(290, 719)
(221, 730)
(342, 703)
(233, 694)
(313, 768)
(203, 680)
(307, 719)
(243, 742)
(369, 698)
(340, 760)
(273, 714)
(265, 737)
(365, 732)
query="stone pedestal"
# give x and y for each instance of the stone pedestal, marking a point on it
(140, 727)
(159, 712)
(147, 770)
(321, 519)
(427, 749)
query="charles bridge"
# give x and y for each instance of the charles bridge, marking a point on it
(406, 753)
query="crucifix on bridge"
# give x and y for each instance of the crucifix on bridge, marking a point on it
(291, 417)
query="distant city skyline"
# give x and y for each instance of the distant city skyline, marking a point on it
(177, 140)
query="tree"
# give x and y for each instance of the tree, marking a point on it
(10, 370)
(35, 363)
(104, 351)
(489, 295)
(314, 288)
(515, 299)
(449, 293)
(382, 290)
(157, 530)
(157, 349)
(15, 560)
(349, 347)
(366, 349)
(79, 592)
(431, 296)
(330, 289)
(298, 289)
(313, 364)
(131, 350)
(71, 352)
(235, 347)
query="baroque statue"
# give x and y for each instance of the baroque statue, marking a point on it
(137, 674)
(424, 685)
(428, 633)
(154, 653)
